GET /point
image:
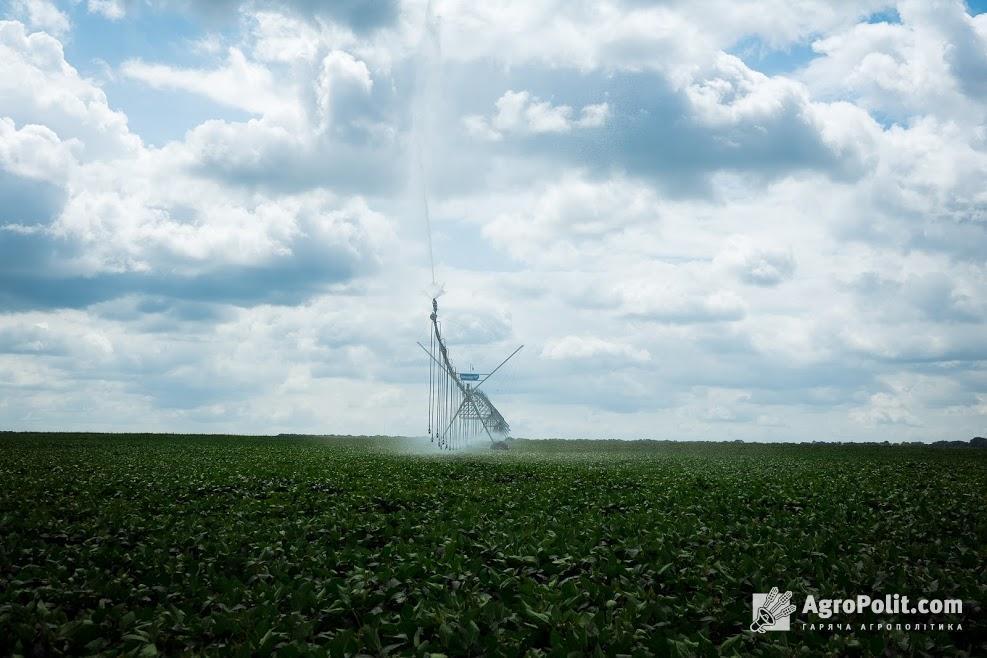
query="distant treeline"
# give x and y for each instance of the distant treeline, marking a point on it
(975, 442)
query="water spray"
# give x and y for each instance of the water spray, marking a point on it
(458, 411)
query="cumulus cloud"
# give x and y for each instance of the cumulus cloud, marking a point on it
(580, 348)
(125, 233)
(932, 62)
(238, 83)
(86, 218)
(756, 264)
(569, 215)
(43, 15)
(34, 152)
(312, 129)
(341, 75)
(34, 168)
(968, 61)
(40, 87)
(107, 244)
(283, 38)
(518, 112)
(671, 301)
(677, 129)
(721, 405)
(906, 397)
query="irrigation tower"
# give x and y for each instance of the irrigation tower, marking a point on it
(458, 411)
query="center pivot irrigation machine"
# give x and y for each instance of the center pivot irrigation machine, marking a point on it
(458, 411)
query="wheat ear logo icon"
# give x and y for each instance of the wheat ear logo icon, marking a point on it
(772, 610)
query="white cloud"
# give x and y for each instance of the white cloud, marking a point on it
(478, 127)
(777, 22)
(932, 63)
(209, 44)
(613, 34)
(981, 406)
(239, 146)
(578, 348)
(885, 67)
(519, 112)
(721, 405)
(477, 327)
(305, 126)
(571, 219)
(341, 75)
(240, 83)
(110, 215)
(43, 15)
(755, 264)
(40, 87)
(131, 227)
(594, 116)
(281, 38)
(113, 10)
(896, 406)
(732, 93)
(34, 152)
(670, 298)
(558, 34)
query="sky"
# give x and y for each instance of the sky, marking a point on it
(721, 220)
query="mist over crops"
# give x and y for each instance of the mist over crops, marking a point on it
(222, 545)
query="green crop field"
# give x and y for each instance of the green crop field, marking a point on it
(149, 544)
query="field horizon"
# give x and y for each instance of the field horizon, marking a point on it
(972, 442)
